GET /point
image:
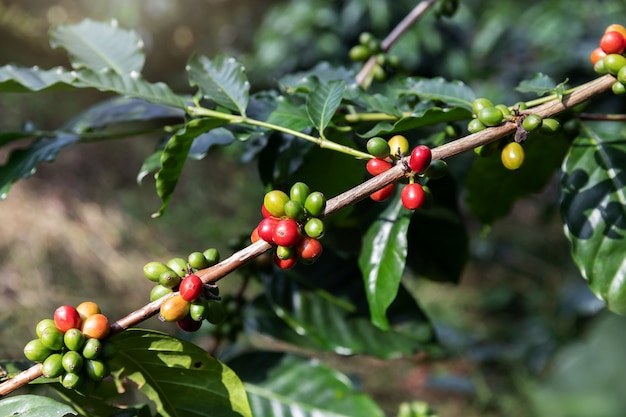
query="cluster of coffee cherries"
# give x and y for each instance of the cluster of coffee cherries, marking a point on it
(370, 46)
(388, 152)
(193, 301)
(608, 57)
(486, 114)
(71, 346)
(292, 223)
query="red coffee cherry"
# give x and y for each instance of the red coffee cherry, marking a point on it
(286, 233)
(191, 287)
(66, 317)
(384, 193)
(413, 196)
(309, 249)
(285, 263)
(376, 166)
(613, 42)
(266, 228)
(188, 324)
(420, 158)
(596, 55)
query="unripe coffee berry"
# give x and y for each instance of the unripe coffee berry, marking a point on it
(294, 210)
(153, 270)
(378, 147)
(315, 204)
(53, 366)
(159, 291)
(314, 227)
(92, 348)
(614, 63)
(299, 192)
(532, 122)
(212, 256)
(74, 339)
(479, 104)
(197, 260)
(512, 156)
(95, 369)
(178, 265)
(52, 338)
(475, 126)
(72, 361)
(490, 116)
(169, 279)
(96, 327)
(398, 145)
(274, 202)
(174, 308)
(36, 351)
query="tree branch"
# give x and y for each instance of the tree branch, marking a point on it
(350, 197)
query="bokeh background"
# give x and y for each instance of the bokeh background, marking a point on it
(527, 336)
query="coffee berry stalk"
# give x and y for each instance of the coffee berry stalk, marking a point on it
(72, 347)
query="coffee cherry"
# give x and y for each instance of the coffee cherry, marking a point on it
(95, 369)
(266, 228)
(437, 169)
(359, 53)
(618, 88)
(52, 366)
(616, 27)
(286, 232)
(299, 192)
(475, 126)
(71, 380)
(52, 338)
(198, 309)
(420, 158)
(384, 193)
(191, 287)
(264, 212)
(294, 210)
(613, 42)
(212, 256)
(96, 327)
(169, 279)
(479, 104)
(621, 75)
(378, 147)
(153, 270)
(44, 324)
(158, 292)
(490, 116)
(596, 55)
(314, 227)
(532, 122)
(512, 156)
(178, 265)
(274, 202)
(174, 308)
(285, 263)
(550, 126)
(92, 348)
(188, 324)
(86, 309)
(376, 166)
(315, 204)
(197, 260)
(309, 249)
(284, 252)
(36, 351)
(74, 339)
(504, 109)
(66, 317)
(216, 313)
(614, 63)
(412, 196)
(398, 145)
(72, 361)
(600, 67)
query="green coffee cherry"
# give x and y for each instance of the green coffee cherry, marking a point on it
(490, 116)
(52, 367)
(550, 126)
(600, 67)
(378, 147)
(52, 338)
(532, 122)
(36, 351)
(315, 204)
(153, 270)
(169, 279)
(300, 191)
(178, 265)
(314, 228)
(359, 53)
(294, 210)
(479, 104)
(72, 361)
(197, 260)
(95, 369)
(212, 256)
(437, 169)
(274, 202)
(74, 339)
(504, 109)
(621, 75)
(614, 63)
(158, 292)
(71, 380)
(618, 88)
(92, 348)
(475, 126)
(198, 309)
(216, 313)
(284, 252)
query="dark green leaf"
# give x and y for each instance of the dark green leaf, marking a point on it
(322, 103)
(593, 207)
(34, 406)
(19, 79)
(179, 377)
(283, 385)
(222, 79)
(323, 306)
(430, 116)
(98, 46)
(174, 155)
(492, 189)
(382, 259)
(216, 137)
(290, 115)
(452, 93)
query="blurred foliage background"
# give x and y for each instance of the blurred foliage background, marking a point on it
(527, 336)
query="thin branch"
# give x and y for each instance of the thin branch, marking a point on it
(348, 198)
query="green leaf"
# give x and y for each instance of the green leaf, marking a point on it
(34, 406)
(222, 79)
(179, 377)
(382, 259)
(16, 79)
(323, 306)
(492, 189)
(322, 103)
(593, 207)
(150, 164)
(430, 116)
(452, 93)
(282, 385)
(542, 84)
(98, 46)
(174, 155)
(130, 85)
(290, 115)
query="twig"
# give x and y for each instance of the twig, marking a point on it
(350, 197)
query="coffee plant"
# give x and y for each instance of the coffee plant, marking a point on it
(361, 185)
